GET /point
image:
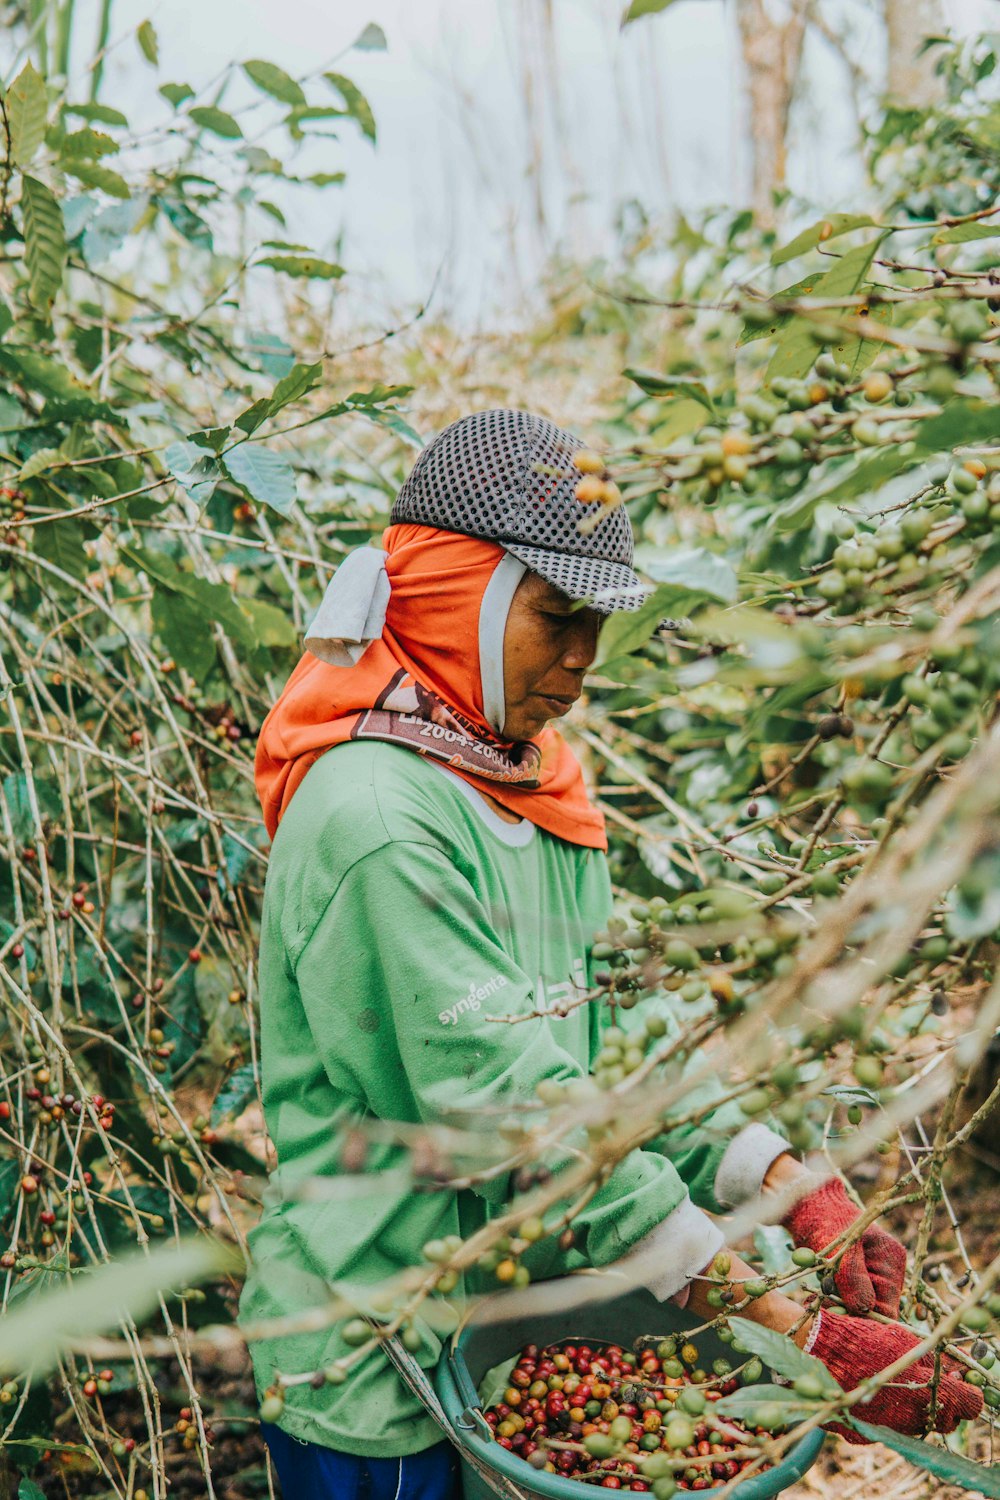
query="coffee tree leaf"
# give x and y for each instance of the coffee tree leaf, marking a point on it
(695, 569)
(966, 421)
(742, 1404)
(299, 381)
(818, 233)
(239, 1090)
(628, 631)
(354, 102)
(106, 233)
(941, 1462)
(666, 387)
(271, 626)
(310, 266)
(44, 242)
(149, 44)
(795, 351)
(857, 477)
(803, 288)
(271, 79)
(639, 8)
(103, 113)
(961, 234)
(26, 108)
(28, 1490)
(94, 175)
(209, 117)
(372, 39)
(33, 1337)
(782, 1355)
(774, 1245)
(196, 470)
(176, 93)
(262, 474)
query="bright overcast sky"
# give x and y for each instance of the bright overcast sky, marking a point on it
(652, 113)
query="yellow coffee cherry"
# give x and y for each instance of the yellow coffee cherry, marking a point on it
(877, 386)
(590, 490)
(586, 461)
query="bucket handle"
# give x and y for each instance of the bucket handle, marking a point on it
(472, 1420)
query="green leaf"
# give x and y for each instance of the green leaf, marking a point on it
(271, 626)
(742, 1404)
(208, 117)
(263, 474)
(62, 543)
(28, 1490)
(951, 1467)
(640, 8)
(189, 225)
(90, 144)
(33, 1337)
(796, 350)
(196, 471)
(27, 107)
(15, 793)
(148, 44)
(372, 39)
(176, 93)
(960, 234)
(103, 113)
(239, 1090)
(44, 242)
(959, 422)
(666, 386)
(782, 1355)
(820, 232)
(291, 387)
(274, 81)
(180, 623)
(751, 331)
(629, 631)
(91, 174)
(695, 569)
(303, 265)
(774, 1244)
(354, 101)
(859, 478)
(108, 232)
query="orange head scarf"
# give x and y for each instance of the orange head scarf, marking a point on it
(420, 684)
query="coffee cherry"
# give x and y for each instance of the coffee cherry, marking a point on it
(877, 386)
(590, 490)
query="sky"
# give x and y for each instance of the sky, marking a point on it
(460, 192)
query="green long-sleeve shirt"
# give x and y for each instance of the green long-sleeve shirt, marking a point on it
(400, 913)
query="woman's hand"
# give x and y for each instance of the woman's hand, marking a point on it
(871, 1273)
(855, 1349)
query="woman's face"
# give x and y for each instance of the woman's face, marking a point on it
(549, 643)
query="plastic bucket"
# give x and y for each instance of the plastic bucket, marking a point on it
(478, 1347)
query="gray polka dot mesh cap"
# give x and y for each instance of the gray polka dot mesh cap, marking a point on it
(508, 476)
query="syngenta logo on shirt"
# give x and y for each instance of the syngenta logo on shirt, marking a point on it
(473, 1000)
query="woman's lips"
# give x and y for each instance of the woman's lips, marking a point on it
(558, 705)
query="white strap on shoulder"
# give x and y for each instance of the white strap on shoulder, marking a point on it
(352, 611)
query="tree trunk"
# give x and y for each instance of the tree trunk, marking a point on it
(910, 79)
(772, 51)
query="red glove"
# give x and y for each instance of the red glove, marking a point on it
(853, 1349)
(870, 1274)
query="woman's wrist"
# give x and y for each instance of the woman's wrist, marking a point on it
(773, 1310)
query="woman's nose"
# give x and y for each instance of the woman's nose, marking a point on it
(582, 648)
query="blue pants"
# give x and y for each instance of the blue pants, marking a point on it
(308, 1471)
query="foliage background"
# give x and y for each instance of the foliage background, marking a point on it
(187, 450)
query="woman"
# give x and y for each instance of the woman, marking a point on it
(411, 896)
